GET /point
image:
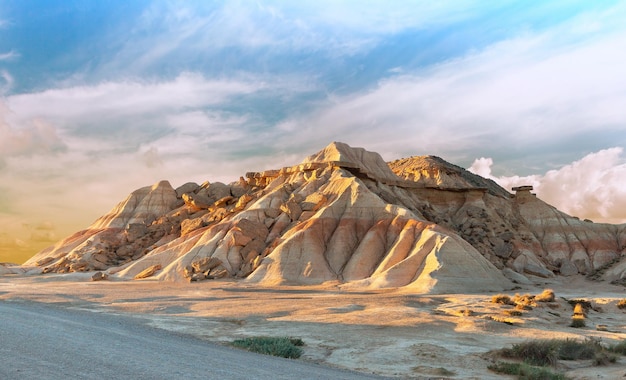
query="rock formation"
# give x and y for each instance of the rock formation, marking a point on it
(343, 216)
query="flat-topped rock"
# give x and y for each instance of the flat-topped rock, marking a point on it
(368, 163)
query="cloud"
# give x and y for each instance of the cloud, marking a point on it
(6, 82)
(43, 236)
(178, 116)
(35, 137)
(151, 158)
(592, 187)
(377, 17)
(265, 34)
(126, 98)
(554, 90)
(8, 242)
(9, 56)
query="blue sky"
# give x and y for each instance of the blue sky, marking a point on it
(98, 98)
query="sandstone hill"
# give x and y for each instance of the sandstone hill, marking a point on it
(343, 216)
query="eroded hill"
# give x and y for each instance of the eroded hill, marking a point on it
(343, 215)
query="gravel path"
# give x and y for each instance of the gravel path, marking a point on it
(40, 341)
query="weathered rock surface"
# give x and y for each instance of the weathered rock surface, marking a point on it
(344, 216)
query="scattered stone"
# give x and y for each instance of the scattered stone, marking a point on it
(206, 264)
(189, 187)
(148, 272)
(99, 276)
(190, 225)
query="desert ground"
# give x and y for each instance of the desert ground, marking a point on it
(385, 332)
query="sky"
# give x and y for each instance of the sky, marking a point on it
(99, 98)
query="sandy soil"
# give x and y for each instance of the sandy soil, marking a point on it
(391, 333)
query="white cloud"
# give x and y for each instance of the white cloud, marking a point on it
(103, 145)
(547, 87)
(6, 82)
(180, 30)
(593, 187)
(35, 137)
(9, 56)
(379, 17)
(125, 98)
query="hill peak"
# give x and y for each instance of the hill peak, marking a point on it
(433, 171)
(365, 162)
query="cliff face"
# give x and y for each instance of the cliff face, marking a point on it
(343, 215)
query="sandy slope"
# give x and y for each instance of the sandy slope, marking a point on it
(384, 332)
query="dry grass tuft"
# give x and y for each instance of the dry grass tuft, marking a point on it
(502, 319)
(546, 296)
(580, 311)
(502, 299)
(621, 304)
(513, 313)
(525, 302)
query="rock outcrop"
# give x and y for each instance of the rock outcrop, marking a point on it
(343, 216)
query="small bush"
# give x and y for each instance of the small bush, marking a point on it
(619, 348)
(572, 349)
(525, 302)
(621, 304)
(604, 358)
(540, 353)
(586, 305)
(578, 322)
(501, 319)
(579, 310)
(276, 346)
(502, 299)
(444, 372)
(535, 352)
(545, 352)
(546, 296)
(525, 371)
(513, 313)
(520, 307)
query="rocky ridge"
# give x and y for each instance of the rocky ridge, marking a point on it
(343, 216)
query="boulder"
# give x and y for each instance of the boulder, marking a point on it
(99, 276)
(205, 264)
(189, 225)
(148, 272)
(568, 268)
(198, 201)
(189, 187)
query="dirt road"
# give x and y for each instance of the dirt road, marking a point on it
(47, 342)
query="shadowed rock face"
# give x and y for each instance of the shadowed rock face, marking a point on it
(342, 216)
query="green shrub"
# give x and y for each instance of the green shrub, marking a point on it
(276, 346)
(604, 358)
(535, 352)
(578, 322)
(525, 371)
(548, 352)
(444, 372)
(545, 352)
(619, 348)
(572, 349)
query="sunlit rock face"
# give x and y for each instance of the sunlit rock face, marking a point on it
(343, 216)
(122, 235)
